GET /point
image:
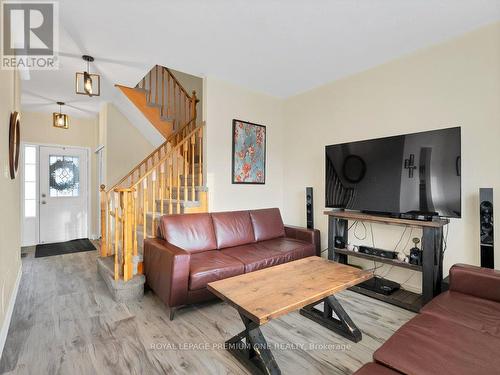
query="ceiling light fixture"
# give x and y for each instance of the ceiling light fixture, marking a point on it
(60, 120)
(87, 83)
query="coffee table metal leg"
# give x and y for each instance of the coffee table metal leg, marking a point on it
(254, 352)
(343, 324)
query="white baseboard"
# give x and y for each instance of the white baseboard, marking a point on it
(10, 309)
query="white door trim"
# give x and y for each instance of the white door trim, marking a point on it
(89, 184)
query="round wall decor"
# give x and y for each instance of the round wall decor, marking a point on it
(354, 168)
(63, 175)
(14, 143)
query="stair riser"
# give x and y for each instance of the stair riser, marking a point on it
(166, 208)
(183, 195)
(189, 181)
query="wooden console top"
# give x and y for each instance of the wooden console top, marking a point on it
(271, 292)
(359, 216)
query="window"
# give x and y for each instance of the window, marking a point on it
(64, 176)
(30, 181)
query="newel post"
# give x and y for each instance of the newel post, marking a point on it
(104, 243)
(194, 101)
(127, 225)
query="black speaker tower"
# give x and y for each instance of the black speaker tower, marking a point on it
(486, 227)
(309, 208)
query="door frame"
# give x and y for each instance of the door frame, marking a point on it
(21, 174)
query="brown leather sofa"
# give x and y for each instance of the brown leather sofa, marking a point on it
(457, 333)
(195, 249)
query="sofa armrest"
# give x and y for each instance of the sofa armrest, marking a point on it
(166, 268)
(311, 236)
(475, 281)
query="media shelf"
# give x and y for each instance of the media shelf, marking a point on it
(392, 262)
(401, 298)
(432, 255)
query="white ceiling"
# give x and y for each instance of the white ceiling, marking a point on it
(279, 47)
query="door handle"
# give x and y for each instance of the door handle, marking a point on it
(43, 195)
(43, 202)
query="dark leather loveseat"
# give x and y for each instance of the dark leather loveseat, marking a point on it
(195, 249)
(457, 333)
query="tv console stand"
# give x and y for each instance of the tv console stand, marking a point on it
(432, 257)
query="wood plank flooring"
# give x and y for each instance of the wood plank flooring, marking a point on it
(65, 322)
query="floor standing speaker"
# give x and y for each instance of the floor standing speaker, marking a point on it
(486, 227)
(309, 208)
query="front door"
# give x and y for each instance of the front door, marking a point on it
(63, 194)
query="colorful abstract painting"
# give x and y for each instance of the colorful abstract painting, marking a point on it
(249, 153)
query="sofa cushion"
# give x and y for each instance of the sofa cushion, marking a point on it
(232, 228)
(211, 266)
(267, 224)
(191, 232)
(296, 249)
(375, 369)
(479, 314)
(256, 257)
(429, 344)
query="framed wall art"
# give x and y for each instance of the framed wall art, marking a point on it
(249, 153)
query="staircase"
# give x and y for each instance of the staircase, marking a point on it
(168, 181)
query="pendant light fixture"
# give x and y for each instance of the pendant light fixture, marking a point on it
(60, 120)
(87, 83)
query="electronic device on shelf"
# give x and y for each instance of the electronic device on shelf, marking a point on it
(416, 253)
(378, 252)
(413, 176)
(340, 242)
(419, 215)
(380, 285)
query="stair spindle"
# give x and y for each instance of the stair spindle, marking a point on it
(186, 169)
(193, 192)
(153, 201)
(117, 233)
(135, 200)
(156, 84)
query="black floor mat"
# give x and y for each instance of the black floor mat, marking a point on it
(75, 246)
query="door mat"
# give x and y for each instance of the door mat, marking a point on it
(60, 248)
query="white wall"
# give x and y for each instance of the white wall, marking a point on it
(10, 227)
(124, 145)
(223, 103)
(452, 84)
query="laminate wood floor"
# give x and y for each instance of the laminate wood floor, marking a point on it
(65, 322)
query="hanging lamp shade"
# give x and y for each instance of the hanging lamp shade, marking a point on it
(87, 83)
(59, 119)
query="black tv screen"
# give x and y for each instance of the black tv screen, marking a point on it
(417, 173)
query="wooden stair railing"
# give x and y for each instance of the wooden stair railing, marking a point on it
(130, 214)
(164, 91)
(167, 181)
(141, 168)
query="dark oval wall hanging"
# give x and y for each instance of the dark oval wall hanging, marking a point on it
(14, 143)
(354, 169)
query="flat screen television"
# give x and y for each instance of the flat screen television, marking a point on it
(413, 174)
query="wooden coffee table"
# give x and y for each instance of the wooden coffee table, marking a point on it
(272, 292)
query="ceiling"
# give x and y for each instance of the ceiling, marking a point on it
(278, 47)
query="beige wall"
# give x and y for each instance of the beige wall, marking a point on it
(225, 102)
(452, 84)
(82, 132)
(124, 145)
(10, 229)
